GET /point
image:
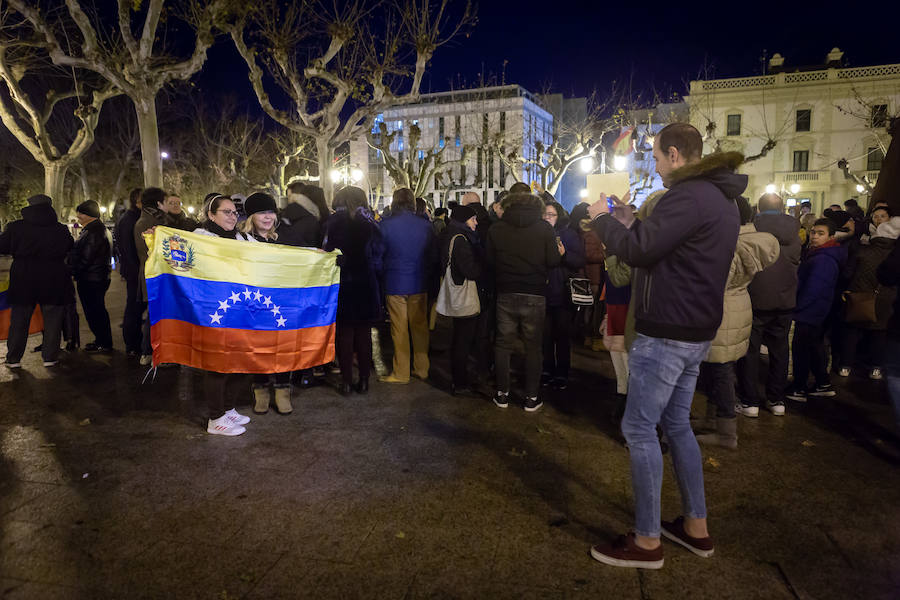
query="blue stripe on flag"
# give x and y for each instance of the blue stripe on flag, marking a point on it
(235, 306)
(4, 303)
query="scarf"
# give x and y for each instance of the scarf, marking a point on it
(212, 227)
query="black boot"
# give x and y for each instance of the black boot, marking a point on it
(362, 387)
(345, 389)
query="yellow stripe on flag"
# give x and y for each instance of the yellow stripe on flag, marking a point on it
(252, 264)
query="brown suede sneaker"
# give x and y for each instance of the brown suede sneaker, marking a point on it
(624, 552)
(675, 532)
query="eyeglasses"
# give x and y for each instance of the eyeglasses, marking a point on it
(228, 213)
(550, 214)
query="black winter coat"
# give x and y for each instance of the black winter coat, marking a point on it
(681, 254)
(863, 264)
(39, 245)
(558, 293)
(123, 243)
(467, 261)
(361, 260)
(774, 289)
(521, 248)
(888, 274)
(89, 259)
(299, 227)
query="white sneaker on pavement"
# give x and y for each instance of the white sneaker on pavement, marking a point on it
(223, 426)
(747, 410)
(236, 417)
(146, 359)
(776, 408)
(844, 372)
(875, 374)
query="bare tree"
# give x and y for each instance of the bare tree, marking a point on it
(290, 147)
(125, 61)
(331, 59)
(27, 114)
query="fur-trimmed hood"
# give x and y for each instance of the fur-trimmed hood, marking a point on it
(521, 210)
(717, 168)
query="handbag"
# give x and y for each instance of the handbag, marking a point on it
(580, 290)
(861, 307)
(457, 300)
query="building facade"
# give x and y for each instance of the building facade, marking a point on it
(467, 121)
(804, 124)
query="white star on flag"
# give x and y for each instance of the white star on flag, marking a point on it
(235, 297)
(216, 318)
(223, 306)
(281, 321)
(247, 293)
(257, 295)
(276, 309)
(268, 301)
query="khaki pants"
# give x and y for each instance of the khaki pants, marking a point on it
(409, 317)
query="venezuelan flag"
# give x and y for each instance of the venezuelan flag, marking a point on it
(239, 307)
(37, 321)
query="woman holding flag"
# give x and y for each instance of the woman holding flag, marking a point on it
(221, 219)
(262, 220)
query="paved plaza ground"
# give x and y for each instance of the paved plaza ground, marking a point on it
(112, 489)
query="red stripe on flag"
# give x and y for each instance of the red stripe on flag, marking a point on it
(241, 350)
(36, 325)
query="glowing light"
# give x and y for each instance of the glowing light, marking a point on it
(191, 209)
(860, 189)
(620, 163)
(164, 155)
(583, 193)
(587, 164)
(795, 188)
(356, 175)
(770, 189)
(103, 209)
(335, 175)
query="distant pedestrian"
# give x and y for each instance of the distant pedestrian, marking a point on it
(129, 266)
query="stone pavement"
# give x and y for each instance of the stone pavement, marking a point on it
(112, 489)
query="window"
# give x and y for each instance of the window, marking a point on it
(400, 145)
(441, 130)
(875, 159)
(879, 116)
(421, 155)
(734, 125)
(502, 122)
(458, 142)
(479, 173)
(502, 171)
(484, 126)
(804, 120)
(801, 160)
(441, 142)
(490, 168)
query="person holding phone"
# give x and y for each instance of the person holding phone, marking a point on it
(681, 255)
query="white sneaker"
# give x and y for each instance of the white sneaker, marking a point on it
(146, 359)
(223, 426)
(13, 365)
(51, 363)
(844, 372)
(875, 374)
(776, 409)
(236, 417)
(747, 410)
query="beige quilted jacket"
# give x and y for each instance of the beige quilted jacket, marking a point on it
(754, 252)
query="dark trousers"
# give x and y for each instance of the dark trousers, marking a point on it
(277, 379)
(20, 319)
(717, 382)
(93, 303)
(520, 323)
(464, 332)
(350, 338)
(214, 389)
(773, 330)
(809, 355)
(875, 338)
(134, 309)
(558, 340)
(484, 337)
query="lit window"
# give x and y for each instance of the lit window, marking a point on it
(458, 142)
(421, 154)
(441, 142)
(400, 145)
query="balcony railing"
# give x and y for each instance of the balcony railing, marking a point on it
(799, 78)
(789, 177)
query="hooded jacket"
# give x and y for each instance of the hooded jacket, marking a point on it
(39, 245)
(89, 258)
(521, 247)
(816, 281)
(299, 227)
(775, 288)
(681, 254)
(755, 252)
(558, 293)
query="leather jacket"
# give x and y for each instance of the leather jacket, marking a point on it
(90, 257)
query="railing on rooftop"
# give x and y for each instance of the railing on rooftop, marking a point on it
(801, 77)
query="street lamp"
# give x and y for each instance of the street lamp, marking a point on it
(620, 163)
(587, 164)
(860, 188)
(335, 175)
(191, 209)
(583, 193)
(795, 188)
(103, 210)
(356, 175)
(770, 189)
(164, 155)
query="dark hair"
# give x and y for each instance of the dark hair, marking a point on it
(520, 188)
(153, 196)
(215, 203)
(562, 216)
(403, 199)
(440, 212)
(886, 209)
(351, 198)
(684, 137)
(826, 222)
(851, 203)
(744, 209)
(421, 207)
(547, 197)
(133, 197)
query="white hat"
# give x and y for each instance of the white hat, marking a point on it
(889, 229)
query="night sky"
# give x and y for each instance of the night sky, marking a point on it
(584, 45)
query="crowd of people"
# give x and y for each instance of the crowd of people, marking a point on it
(690, 289)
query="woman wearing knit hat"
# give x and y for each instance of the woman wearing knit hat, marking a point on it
(262, 219)
(90, 263)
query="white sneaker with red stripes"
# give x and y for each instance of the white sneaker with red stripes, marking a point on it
(236, 417)
(223, 426)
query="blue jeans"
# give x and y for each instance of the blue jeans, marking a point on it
(663, 375)
(892, 370)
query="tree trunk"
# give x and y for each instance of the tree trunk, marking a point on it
(145, 108)
(887, 187)
(325, 155)
(54, 181)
